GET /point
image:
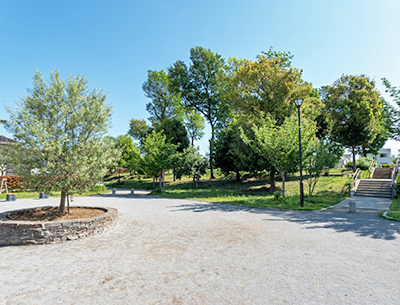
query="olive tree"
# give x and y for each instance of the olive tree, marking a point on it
(61, 127)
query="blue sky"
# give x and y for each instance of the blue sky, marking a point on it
(114, 43)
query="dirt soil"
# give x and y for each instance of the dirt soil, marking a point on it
(52, 214)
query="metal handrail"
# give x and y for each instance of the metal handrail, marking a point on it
(395, 171)
(354, 179)
(371, 169)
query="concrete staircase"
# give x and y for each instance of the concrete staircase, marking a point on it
(374, 188)
(382, 173)
(377, 186)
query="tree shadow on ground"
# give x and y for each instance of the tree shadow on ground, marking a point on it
(366, 223)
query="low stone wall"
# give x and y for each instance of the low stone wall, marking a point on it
(14, 232)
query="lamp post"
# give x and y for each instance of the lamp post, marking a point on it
(298, 102)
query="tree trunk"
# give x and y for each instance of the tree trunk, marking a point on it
(354, 158)
(272, 180)
(160, 182)
(237, 175)
(212, 152)
(61, 209)
(283, 183)
(364, 151)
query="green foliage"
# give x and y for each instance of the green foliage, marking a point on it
(354, 108)
(175, 133)
(165, 104)
(194, 124)
(277, 194)
(267, 87)
(201, 88)
(225, 157)
(130, 157)
(138, 129)
(362, 163)
(230, 146)
(190, 163)
(98, 188)
(284, 58)
(157, 155)
(280, 144)
(385, 131)
(395, 114)
(322, 156)
(61, 127)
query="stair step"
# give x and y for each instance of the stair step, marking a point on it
(382, 195)
(374, 186)
(374, 183)
(372, 192)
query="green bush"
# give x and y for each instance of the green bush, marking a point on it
(363, 163)
(385, 165)
(398, 185)
(98, 188)
(277, 194)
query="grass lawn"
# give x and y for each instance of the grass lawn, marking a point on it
(252, 191)
(395, 209)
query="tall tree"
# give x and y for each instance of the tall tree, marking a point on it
(175, 133)
(230, 148)
(157, 155)
(320, 157)
(268, 85)
(194, 124)
(138, 129)
(130, 157)
(200, 87)
(280, 143)
(395, 113)
(265, 88)
(61, 127)
(354, 109)
(165, 104)
(190, 163)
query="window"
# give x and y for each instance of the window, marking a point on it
(383, 155)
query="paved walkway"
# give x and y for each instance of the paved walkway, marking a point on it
(170, 251)
(368, 203)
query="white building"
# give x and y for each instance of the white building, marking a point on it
(384, 156)
(344, 160)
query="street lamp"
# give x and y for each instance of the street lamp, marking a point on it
(298, 102)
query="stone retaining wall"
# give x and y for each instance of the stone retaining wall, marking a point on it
(13, 232)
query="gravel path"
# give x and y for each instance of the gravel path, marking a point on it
(170, 251)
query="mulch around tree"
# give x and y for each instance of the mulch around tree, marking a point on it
(52, 214)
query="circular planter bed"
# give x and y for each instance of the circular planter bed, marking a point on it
(15, 229)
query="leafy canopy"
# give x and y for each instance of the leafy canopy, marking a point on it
(61, 126)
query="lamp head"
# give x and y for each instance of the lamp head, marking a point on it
(298, 101)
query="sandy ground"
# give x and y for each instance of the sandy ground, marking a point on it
(169, 251)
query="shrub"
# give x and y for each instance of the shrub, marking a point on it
(363, 163)
(14, 183)
(398, 185)
(98, 188)
(385, 165)
(277, 194)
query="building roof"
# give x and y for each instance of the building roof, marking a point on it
(5, 140)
